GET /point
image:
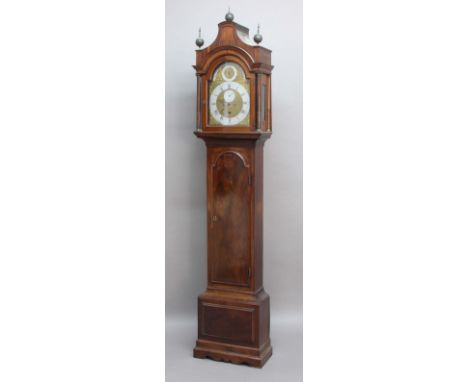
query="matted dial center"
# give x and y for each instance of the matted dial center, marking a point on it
(229, 103)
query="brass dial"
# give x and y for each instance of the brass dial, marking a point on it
(229, 99)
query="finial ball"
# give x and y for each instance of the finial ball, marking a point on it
(258, 37)
(229, 16)
(199, 41)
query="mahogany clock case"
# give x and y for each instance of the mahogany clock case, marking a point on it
(234, 312)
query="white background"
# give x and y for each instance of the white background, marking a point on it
(81, 191)
(385, 190)
(81, 197)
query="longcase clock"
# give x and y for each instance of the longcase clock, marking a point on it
(234, 121)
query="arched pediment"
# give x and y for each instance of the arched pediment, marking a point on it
(234, 38)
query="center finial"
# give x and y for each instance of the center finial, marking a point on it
(229, 15)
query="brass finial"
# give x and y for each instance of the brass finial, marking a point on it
(258, 37)
(229, 15)
(199, 41)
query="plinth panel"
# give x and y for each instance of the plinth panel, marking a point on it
(228, 323)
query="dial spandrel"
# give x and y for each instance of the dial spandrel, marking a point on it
(229, 96)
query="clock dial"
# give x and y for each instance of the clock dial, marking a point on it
(229, 103)
(229, 99)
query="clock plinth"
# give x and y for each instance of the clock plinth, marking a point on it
(234, 327)
(234, 121)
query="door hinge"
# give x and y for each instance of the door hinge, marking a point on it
(250, 180)
(248, 272)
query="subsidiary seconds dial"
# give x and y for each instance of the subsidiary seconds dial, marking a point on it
(229, 103)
